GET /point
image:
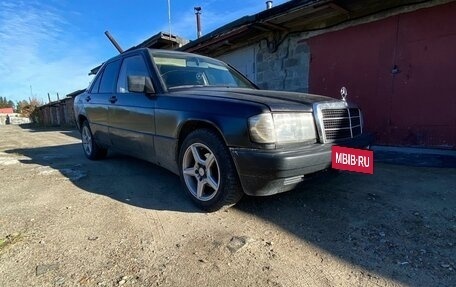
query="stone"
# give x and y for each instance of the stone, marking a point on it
(302, 48)
(59, 281)
(237, 242)
(291, 62)
(259, 57)
(44, 268)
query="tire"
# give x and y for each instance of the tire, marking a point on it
(91, 149)
(207, 171)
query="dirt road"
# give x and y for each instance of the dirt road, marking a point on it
(67, 221)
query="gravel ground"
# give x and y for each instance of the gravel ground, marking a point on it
(67, 221)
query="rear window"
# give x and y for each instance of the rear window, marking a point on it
(109, 78)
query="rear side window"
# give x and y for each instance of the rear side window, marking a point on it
(96, 84)
(109, 77)
(131, 66)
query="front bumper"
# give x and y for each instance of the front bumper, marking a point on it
(267, 172)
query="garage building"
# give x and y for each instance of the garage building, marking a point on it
(396, 58)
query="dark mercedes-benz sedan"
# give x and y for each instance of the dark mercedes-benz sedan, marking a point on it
(201, 119)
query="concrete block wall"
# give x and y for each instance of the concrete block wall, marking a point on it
(285, 69)
(14, 119)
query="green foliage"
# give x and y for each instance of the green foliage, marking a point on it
(26, 108)
(5, 103)
(9, 239)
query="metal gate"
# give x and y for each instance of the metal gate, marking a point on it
(401, 71)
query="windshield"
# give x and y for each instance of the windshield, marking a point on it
(183, 70)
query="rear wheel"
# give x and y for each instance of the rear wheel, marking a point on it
(207, 171)
(91, 149)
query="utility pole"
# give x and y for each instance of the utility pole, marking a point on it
(169, 18)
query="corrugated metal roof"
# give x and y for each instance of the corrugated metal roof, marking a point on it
(291, 17)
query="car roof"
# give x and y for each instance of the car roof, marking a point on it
(162, 51)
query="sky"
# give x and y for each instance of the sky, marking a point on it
(49, 46)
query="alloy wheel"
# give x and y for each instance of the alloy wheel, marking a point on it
(201, 172)
(86, 140)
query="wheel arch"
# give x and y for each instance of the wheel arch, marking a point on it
(81, 119)
(194, 124)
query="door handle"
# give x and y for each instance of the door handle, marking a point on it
(88, 98)
(113, 99)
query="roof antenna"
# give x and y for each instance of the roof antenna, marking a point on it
(114, 42)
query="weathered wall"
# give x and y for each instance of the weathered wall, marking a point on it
(398, 65)
(285, 69)
(58, 113)
(243, 60)
(400, 70)
(14, 119)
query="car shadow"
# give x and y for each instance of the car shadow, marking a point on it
(35, 128)
(377, 222)
(119, 177)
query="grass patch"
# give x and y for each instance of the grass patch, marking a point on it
(9, 239)
(2, 242)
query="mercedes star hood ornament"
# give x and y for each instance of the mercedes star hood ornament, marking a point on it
(343, 93)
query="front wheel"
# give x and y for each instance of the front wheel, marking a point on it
(91, 149)
(207, 171)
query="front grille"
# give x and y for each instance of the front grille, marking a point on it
(338, 124)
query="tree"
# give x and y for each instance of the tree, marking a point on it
(5, 103)
(20, 105)
(26, 108)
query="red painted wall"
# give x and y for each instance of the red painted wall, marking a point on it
(6, 110)
(417, 105)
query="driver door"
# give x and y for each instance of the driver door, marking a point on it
(132, 115)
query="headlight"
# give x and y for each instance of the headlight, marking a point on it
(282, 128)
(294, 127)
(262, 128)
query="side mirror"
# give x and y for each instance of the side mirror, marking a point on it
(140, 84)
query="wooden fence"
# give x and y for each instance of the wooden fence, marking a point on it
(58, 113)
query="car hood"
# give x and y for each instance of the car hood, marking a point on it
(276, 100)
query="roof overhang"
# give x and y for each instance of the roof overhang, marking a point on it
(291, 17)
